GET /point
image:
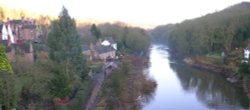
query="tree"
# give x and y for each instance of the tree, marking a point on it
(136, 40)
(4, 64)
(2, 14)
(127, 38)
(43, 28)
(217, 32)
(64, 43)
(243, 68)
(95, 31)
(60, 86)
(7, 93)
(22, 14)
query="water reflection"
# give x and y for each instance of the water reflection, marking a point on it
(181, 87)
(147, 97)
(211, 89)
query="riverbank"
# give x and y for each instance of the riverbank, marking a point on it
(127, 86)
(228, 73)
(210, 64)
(215, 65)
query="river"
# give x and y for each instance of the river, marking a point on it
(181, 87)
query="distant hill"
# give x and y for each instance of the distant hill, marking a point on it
(216, 32)
(240, 6)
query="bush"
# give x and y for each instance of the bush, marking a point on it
(81, 96)
(60, 86)
(244, 68)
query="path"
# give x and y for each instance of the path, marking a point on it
(98, 79)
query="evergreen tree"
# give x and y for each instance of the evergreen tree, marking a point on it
(4, 63)
(60, 86)
(64, 42)
(7, 93)
(95, 31)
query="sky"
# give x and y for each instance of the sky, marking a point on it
(147, 13)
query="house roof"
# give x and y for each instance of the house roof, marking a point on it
(16, 22)
(104, 49)
(5, 43)
(29, 26)
(105, 43)
(111, 40)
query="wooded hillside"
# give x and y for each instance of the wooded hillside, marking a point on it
(216, 32)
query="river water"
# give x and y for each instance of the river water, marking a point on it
(181, 87)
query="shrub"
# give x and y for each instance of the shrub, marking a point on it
(244, 68)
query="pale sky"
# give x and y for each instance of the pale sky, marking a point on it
(140, 12)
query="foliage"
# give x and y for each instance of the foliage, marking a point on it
(64, 42)
(60, 86)
(31, 81)
(244, 68)
(96, 67)
(81, 96)
(217, 32)
(43, 28)
(117, 82)
(137, 40)
(95, 31)
(127, 38)
(4, 63)
(8, 95)
(7, 92)
(124, 85)
(161, 33)
(6, 12)
(2, 14)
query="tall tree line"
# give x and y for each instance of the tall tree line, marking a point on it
(131, 39)
(217, 32)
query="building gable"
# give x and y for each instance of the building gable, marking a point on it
(4, 32)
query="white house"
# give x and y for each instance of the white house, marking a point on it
(105, 51)
(109, 43)
(10, 33)
(4, 32)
